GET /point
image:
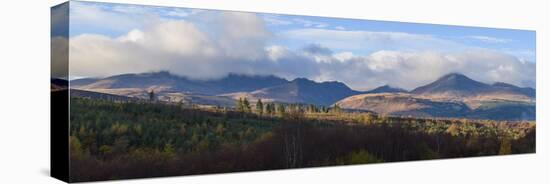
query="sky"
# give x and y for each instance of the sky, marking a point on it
(110, 39)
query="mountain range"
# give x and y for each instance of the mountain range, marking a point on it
(452, 95)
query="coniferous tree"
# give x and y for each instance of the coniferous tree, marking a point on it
(246, 105)
(240, 107)
(152, 95)
(269, 108)
(259, 107)
(280, 109)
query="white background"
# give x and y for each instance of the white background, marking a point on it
(24, 91)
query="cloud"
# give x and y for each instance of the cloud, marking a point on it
(243, 35)
(236, 45)
(340, 28)
(59, 57)
(522, 54)
(214, 44)
(178, 13)
(412, 69)
(109, 19)
(316, 49)
(309, 23)
(275, 20)
(367, 40)
(117, 19)
(488, 39)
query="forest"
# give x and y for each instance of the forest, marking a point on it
(122, 140)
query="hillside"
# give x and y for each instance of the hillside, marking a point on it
(301, 90)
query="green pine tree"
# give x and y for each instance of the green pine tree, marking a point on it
(259, 107)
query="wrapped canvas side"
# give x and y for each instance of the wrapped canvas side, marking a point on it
(59, 99)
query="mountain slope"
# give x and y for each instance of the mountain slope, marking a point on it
(530, 92)
(402, 104)
(301, 90)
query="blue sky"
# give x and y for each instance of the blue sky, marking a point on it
(498, 39)
(379, 50)
(515, 42)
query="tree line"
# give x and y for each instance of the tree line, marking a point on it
(272, 108)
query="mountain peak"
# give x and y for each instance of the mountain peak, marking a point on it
(454, 83)
(302, 79)
(386, 89)
(156, 74)
(453, 76)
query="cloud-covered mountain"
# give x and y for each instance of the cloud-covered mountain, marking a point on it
(165, 81)
(269, 88)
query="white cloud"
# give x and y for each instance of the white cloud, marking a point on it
(178, 13)
(523, 54)
(178, 46)
(275, 20)
(309, 23)
(173, 37)
(340, 28)
(368, 40)
(93, 16)
(488, 39)
(412, 69)
(243, 35)
(276, 52)
(343, 56)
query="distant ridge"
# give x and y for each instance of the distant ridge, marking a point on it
(459, 85)
(387, 89)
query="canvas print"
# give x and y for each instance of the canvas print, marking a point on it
(168, 91)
